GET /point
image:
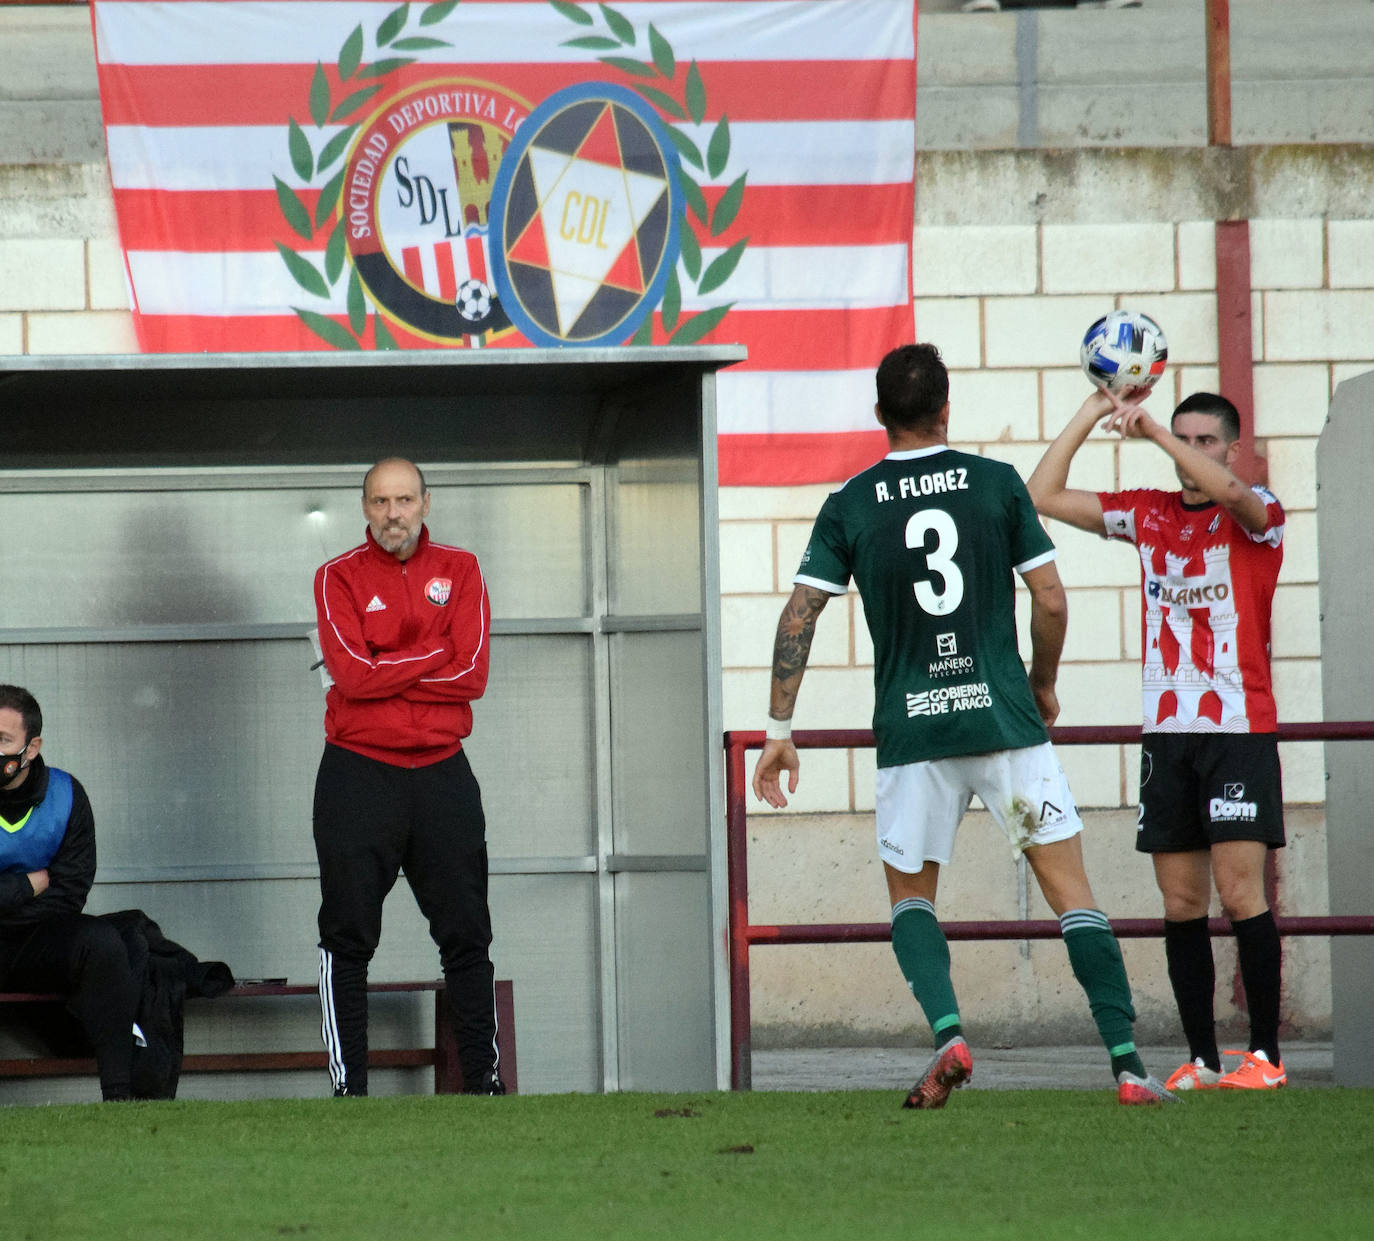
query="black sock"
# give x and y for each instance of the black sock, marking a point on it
(1260, 954)
(1192, 972)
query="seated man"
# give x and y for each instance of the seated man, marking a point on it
(47, 866)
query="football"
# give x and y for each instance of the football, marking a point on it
(473, 300)
(1123, 350)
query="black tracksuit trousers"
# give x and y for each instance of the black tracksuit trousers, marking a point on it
(84, 959)
(373, 820)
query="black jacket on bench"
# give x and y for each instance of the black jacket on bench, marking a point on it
(170, 976)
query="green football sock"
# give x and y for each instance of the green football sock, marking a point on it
(923, 955)
(1096, 959)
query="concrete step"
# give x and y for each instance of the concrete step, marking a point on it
(1308, 1064)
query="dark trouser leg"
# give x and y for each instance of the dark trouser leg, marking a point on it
(359, 830)
(343, 1020)
(85, 959)
(446, 867)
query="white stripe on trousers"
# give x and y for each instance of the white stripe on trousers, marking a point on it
(495, 1030)
(329, 1022)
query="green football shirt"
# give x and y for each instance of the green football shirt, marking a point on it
(931, 538)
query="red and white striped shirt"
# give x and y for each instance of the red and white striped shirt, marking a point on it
(1207, 592)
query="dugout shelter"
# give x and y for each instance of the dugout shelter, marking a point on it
(1346, 594)
(164, 516)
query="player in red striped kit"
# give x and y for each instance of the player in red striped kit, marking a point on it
(1211, 799)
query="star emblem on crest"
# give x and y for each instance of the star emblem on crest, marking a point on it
(585, 233)
(588, 219)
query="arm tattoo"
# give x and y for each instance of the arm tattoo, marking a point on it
(792, 646)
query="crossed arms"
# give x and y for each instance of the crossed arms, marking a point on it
(448, 665)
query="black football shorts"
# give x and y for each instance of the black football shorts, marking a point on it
(1197, 789)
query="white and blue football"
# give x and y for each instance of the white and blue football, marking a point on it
(1123, 350)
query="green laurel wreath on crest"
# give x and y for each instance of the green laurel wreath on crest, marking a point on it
(359, 82)
(655, 78)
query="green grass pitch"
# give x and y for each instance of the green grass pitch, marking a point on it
(994, 1164)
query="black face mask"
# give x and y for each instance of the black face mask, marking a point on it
(12, 764)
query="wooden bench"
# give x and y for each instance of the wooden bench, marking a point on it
(443, 1056)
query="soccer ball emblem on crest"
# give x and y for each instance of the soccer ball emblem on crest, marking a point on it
(1123, 350)
(474, 300)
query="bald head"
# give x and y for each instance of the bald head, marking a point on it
(395, 503)
(419, 473)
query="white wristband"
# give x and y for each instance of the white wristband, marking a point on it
(778, 730)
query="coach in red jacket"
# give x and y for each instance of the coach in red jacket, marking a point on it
(404, 625)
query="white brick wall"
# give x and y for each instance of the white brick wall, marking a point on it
(1036, 331)
(1286, 254)
(1350, 253)
(42, 274)
(1291, 399)
(955, 322)
(1189, 320)
(1197, 255)
(1293, 472)
(746, 557)
(1297, 631)
(109, 289)
(994, 405)
(1319, 325)
(87, 331)
(972, 260)
(1141, 256)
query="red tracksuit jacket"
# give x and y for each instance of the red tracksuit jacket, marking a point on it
(407, 644)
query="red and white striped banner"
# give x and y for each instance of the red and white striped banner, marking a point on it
(254, 214)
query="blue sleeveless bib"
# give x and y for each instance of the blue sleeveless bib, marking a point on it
(32, 843)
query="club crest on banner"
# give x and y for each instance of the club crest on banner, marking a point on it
(291, 175)
(585, 220)
(456, 212)
(417, 192)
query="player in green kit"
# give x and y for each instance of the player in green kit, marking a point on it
(931, 537)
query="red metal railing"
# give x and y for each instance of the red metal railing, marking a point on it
(744, 935)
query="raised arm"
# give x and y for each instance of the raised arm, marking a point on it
(1048, 483)
(791, 649)
(1206, 475)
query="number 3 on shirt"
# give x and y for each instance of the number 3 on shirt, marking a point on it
(939, 560)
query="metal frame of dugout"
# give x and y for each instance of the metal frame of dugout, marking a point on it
(165, 515)
(1345, 590)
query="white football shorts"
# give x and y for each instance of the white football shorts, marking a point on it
(919, 806)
